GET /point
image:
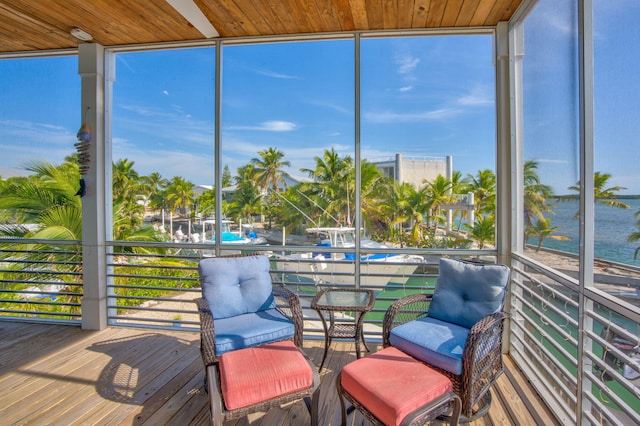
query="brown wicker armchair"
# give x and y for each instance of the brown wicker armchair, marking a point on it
(244, 317)
(287, 303)
(469, 354)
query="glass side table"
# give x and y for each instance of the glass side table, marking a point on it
(334, 300)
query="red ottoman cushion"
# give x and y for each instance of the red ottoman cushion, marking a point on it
(391, 384)
(252, 375)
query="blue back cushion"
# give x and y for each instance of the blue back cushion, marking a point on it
(467, 292)
(236, 285)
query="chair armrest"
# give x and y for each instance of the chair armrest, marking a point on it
(482, 357)
(403, 310)
(288, 303)
(207, 333)
(485, 336)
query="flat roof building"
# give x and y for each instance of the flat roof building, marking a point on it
(415, 169)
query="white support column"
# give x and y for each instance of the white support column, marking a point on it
(587, 206)
(471, 209)
(449, 173)
(94, 300)
(516, 54)
(109, 79)
(506, 201)
(504, 170)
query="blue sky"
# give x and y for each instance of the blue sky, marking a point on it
(299, 98)
(420, 96)
(551, 97)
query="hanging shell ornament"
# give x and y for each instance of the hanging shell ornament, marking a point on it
(82, 146)
(84, 134)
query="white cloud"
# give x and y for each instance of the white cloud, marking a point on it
(335, 107)
(549, 161)
(406, 89)
(145, 111)
(278, 126)
(22, 142)
(193, 166)
(475, 100)
(274, 74)
(406, 63)
(165, 92)
(396, 117)
(478, 96)
(269, 126)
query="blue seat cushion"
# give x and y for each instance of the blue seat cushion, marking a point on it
(435, 342)
(236, 285)
(467, 292)
(252, 329)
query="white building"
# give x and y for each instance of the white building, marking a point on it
(415, 169)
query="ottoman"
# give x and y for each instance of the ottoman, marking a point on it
(392, 388)
(258, 378)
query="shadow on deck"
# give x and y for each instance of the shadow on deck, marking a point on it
(62, 375)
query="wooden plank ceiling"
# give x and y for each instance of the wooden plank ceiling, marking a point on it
(30, 25)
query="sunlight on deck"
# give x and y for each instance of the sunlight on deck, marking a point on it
(64, 375)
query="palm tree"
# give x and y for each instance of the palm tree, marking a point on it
(227, 180)
(601, 193)
(206, 203)
(268, 169)
(542, 229)
(180, 193)
(635, 236)
(329, 168)
(438, 193)
(125, 179)
(246, 202)
(47, 199)
(483, 231)
(483, 185)
(152, 185)
(333, 183)
(536, 195)
(372, 184)
(460, 187)
(408, 206)
(128, 196)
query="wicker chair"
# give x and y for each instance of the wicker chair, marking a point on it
(242, 310)
(457, 330)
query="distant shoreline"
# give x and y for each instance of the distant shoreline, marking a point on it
(617, 279)
(575, 197)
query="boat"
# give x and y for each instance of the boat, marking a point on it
(204, 232)
(322, 266)
(228, 237)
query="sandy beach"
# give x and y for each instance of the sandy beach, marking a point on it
(616, 279)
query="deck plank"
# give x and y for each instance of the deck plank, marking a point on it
(527, 400)
(499, 412)
(52, 374)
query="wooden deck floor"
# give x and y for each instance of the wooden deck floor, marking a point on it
(62, 375)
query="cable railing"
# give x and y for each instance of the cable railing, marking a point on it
(544, 341)
(41, 280)
(152, 285)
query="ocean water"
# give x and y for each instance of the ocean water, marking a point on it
(612, 228)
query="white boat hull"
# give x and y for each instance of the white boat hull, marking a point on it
(377, 273)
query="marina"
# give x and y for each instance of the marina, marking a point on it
(324, 265)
